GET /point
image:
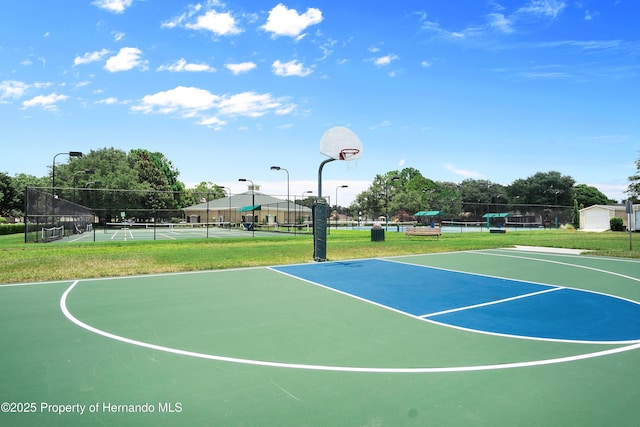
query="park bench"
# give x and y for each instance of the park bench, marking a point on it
(424, 231)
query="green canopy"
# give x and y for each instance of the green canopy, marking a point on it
(427, 213)
(250, 208)
(496, 215)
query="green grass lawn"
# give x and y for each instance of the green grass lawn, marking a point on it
(20, 262)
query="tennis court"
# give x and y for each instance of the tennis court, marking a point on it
(494, 337)
(130, 232)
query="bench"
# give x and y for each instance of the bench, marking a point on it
(424, 231)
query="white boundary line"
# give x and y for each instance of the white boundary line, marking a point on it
(599, 270)
(484, 304)
(387, 370)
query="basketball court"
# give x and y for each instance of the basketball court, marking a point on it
(493, 337)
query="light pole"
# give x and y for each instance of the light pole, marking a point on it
(53, 168)
(227, 189)
(93, 184)
(555, 191)
(278, 168)
(253, 205)
(84, 171)
(339, 186)
(386, 204)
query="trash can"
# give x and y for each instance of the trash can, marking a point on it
(377, 233)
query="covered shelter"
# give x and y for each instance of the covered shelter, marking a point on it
(426, 217)
(496, 219)
(231, 210)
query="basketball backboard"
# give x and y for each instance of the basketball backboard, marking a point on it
(341, 143)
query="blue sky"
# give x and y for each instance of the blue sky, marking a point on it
(482, 89)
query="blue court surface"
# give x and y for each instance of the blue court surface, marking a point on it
(479, 302)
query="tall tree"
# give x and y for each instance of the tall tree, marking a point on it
(158, 171)
(587, 196)
(543, 188)
(19, 183)
(8, 195)
(204, 191)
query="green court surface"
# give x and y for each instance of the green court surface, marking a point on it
(265, 347)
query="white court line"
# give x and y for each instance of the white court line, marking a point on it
(484, 304)
(386, 370)
(599, 270)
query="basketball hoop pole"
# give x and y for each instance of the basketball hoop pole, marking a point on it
(320, 176)
(320, 227)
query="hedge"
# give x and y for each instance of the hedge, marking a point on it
(11, 228)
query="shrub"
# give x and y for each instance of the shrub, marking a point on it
(616, 224)
(11, 228)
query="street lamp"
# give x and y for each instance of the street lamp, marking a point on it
(53, 168)
(339, 186)
(94, 208)
(386, 205)
(556, 191)
(253, 204)
(84, 171)
(278, 168)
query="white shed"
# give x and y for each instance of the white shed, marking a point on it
(597, 217)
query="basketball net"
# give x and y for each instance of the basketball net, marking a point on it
(348, 154)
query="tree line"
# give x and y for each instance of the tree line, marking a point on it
(145, 180)
(153, 182)
(401, 193)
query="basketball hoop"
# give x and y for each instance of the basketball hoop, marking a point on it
(341, 144)
(349, 153)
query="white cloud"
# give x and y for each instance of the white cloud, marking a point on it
(462, 172)
(12, 89)
(89, 57)
(212, 122)
(383, 61)
(291, 68)
(548, 8)
(288, 22)
(115, 6)
(221, 24)
(48, 102)
(286, 109)
(180, 19)
(191, 102)
(249, 104)
(15, 89)
(242, 67)
(532, 11)
(467, 33)
(180, 99)
(182, 65)
(108, 101)
(501, 23)
(126, 59)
